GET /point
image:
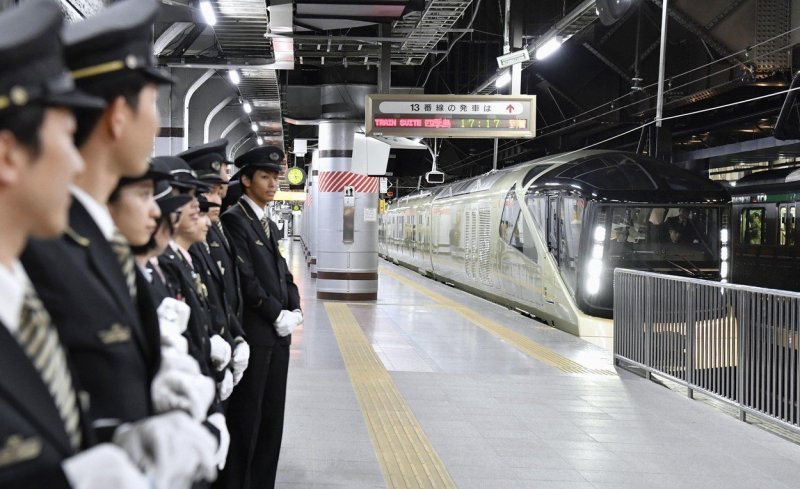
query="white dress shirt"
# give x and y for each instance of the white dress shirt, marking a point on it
(260, 211)
(12, 289)
(99, 212)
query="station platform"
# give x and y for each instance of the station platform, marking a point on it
(431, 387)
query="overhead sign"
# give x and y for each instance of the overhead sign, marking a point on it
(453, 116)
(510, 59)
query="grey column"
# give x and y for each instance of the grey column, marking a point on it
(347, 258)
(311, 234)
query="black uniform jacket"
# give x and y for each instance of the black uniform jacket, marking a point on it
(222, 254)
(33, 441)
(181, 279)
(267, 285)
(113, 343)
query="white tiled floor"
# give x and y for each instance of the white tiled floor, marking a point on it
(501, 419)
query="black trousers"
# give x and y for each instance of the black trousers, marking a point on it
(255, 420)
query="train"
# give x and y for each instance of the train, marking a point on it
(765, 235)
(544, 237)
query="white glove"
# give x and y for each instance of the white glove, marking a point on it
(299, 313)
(241, 357)
(220, 352)
(286, 322)
(218, 420)
(225, 387)
(102, 467)
(172, 449)
(173, 318)
(180, 385)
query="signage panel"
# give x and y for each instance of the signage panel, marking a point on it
(513, 58)
(455, 116)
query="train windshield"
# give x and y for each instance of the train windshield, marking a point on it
(664, 239)
(678, 240)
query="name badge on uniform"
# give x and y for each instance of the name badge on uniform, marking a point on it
(117, 333)
(214, 244)
(17, 449)
(259, 243)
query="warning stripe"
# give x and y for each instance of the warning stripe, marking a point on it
(335, 181)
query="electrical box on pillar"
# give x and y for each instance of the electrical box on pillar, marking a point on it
(348, 214)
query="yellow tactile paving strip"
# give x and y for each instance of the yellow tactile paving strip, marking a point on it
(406, 456)
(517, 340)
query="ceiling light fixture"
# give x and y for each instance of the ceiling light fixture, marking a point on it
(259, 141)
(208, 13)
(247, 107)
(548, 48)
(234, 76)
(254, 127)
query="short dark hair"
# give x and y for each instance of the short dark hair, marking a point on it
(124, 84)
(24, 123)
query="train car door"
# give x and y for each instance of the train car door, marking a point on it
(549, 288)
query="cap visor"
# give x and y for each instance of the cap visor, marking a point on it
(75, 99)
(211, 179)
(172, 203)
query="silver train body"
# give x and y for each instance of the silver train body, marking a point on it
(544, 237)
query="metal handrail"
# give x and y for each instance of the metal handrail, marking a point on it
(736, 343)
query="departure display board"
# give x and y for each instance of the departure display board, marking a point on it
(451, 116)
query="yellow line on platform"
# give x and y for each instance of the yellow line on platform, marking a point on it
(515, 339)
(406, 456)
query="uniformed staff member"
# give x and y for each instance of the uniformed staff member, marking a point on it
(209, 163)
(86, 280)
(271, 312)
(44, 440)
(209, 349)
(146, 256)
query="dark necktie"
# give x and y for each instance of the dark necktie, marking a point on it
(265, 225)
(222, 233)
(123, 251)
(39, 339)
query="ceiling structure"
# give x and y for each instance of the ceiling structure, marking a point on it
(599, 85)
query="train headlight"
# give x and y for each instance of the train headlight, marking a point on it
(723, 269)
(600, 234)
(597, 251)
(593, 285)
(723, 253)
(595, 267)
(723, 235)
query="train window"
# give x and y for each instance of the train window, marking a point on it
(537, 205)
(610, 171)
(787, 214)
(751, 226)
(513, 230)
(571, 220)
(509, 216)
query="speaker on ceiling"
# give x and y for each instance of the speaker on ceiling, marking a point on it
(611, 11)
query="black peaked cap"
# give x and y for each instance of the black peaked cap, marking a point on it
(32, 65)
(207, 160)
(167, 202)
(182, 175)
(117, 38)
(152, 173)
(205, 205)
(262, 158)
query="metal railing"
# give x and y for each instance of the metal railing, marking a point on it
(736, 343)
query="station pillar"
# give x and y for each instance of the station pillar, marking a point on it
(311, 221)
(346, 228)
